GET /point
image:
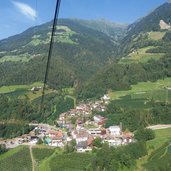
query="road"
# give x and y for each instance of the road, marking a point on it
(155, 127)
(32, 158)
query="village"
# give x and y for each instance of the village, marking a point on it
(81, 125)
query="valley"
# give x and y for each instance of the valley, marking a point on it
(107, 100)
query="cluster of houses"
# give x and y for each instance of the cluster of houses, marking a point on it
(81, 125)
(84, 133)
(113, 135)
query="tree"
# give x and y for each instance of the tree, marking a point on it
(144, 134)
(97, 142)
(2, 148)
(40, 141)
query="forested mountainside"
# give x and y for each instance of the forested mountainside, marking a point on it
(144, 55)
(78, 53)
(90, 53)
(158, 20)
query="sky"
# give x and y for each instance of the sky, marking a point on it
(18, 15)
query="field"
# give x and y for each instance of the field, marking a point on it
(49, 159)
(23, 58)
(141, 56)
(22, 91)
(40, 153)
(16, 160)
(44, 159)
(157, 35)
(158, 150)
(70, 162)
(162, 136)
(142, 92)
(8, 89)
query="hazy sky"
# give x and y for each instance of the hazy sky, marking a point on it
(18, 15)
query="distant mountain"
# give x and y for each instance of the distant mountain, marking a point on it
(79, 51)
(116, 31)
(144, 54)
(143, 32)
(151, 21)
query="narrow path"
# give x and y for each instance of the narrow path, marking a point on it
(160, 126)
(32, 158)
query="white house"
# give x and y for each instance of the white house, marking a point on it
(95, 131)
(106, 97)
(115, 130)
(114, 142)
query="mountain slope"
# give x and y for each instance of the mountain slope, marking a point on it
(80, 49)
(115, 30)
(138, 35)
(144, 55)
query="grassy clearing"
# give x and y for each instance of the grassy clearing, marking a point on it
(23, 91)
(16, 160)
(140, 94)
(157, 35)
(22, 58)
(64, 34)
(12, 88)
(155, 147)
(162, 136)
(36, 41)
(128, 103)
(141, 56)
(156, 90)
(35, 95)
(69, 91)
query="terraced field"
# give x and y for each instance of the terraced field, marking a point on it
(159, 152)
(144, 91)
(70, 162)
(16, 160)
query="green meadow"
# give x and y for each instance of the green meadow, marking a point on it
(20, 58)
(17, 159)
(141, 56)
(156, 90)
(158, 151)
(140, 94)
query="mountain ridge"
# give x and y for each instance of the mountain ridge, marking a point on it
(84, 49)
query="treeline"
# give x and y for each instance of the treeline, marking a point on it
(2, 149)
(121, 77)
(24, 110)
(14, 130)
(70, 63)
(113, 159)
(15, 114)
(134, 119)
(17, 109)
(60, 73)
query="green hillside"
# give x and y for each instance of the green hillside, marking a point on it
(158, 157)
(114, 30)
(143, 55)
(79, 52)
(16, 160)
